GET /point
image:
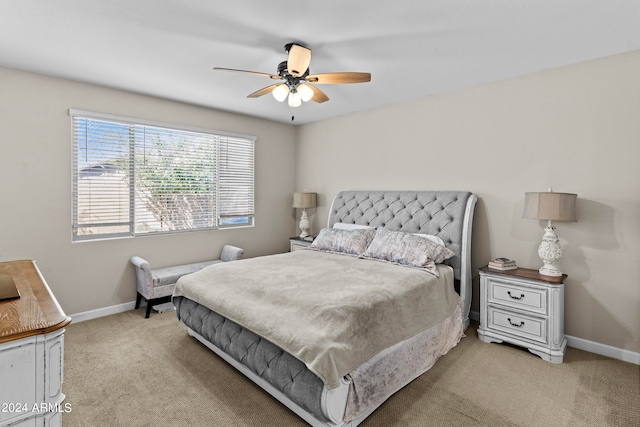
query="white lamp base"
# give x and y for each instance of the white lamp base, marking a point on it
(550, 270)
(550, 252)
(304, 224)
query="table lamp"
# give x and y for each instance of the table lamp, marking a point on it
(550, 206)
(304, 201)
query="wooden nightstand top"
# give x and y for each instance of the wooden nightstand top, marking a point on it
(299, 239)
(526, 273)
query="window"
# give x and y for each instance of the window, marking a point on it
(134, 177)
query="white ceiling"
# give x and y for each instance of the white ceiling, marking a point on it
(412, 48)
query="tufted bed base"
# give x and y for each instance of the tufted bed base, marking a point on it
(447, 215)
(289, 381)
(240, 346)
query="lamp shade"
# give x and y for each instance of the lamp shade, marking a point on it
(550, 206)
(280, 92)
(306, 92)
(294, 99)
(304, 200)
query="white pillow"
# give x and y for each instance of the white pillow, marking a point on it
(345, 226)
(434, 239)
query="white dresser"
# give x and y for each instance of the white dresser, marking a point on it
(524, 308)
(31, 351)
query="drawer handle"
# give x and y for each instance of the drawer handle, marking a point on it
(515, 324)
(514, 297)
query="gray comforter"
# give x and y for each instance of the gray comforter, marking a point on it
(333, 312)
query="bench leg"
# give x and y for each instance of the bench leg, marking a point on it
(155, 301)
(146, 316)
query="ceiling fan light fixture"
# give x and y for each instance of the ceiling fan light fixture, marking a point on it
(295, 81)
(294, 99)
(280, 92)
(306, 92)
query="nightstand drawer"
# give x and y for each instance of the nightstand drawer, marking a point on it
(523, 297)
(296, 244)
(517, 324)
(297, 247)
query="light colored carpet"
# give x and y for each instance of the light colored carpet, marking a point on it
(124, 370)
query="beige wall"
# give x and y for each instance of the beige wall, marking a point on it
(576, 129)
(35, 189)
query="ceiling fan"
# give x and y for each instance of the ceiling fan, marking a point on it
(295, 80)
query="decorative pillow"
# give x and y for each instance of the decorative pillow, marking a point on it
(431, 237)
(407, 249)
(348, 242)
(345, 226)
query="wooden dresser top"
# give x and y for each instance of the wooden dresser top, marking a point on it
(36, 311)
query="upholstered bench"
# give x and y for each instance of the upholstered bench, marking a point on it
(156, 285)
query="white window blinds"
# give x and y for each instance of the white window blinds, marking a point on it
(134, 177)
(235, 192)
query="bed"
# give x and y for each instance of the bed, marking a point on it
(370, 317)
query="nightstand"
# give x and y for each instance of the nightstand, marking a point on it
(296, 243)
(524, 308)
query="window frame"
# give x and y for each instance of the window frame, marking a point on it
(217, 219)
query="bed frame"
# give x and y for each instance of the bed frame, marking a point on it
(446, 214)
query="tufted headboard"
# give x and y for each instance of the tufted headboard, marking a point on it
(446, 214)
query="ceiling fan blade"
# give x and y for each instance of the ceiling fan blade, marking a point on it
(339, 78)
(299, 59)
(318, 95)
(273, 76)
(263, 91)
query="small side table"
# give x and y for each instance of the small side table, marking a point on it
(524, 308)
(297, 243)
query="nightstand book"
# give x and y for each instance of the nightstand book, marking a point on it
(524, 308)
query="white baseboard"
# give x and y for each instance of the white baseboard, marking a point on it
(579, 343)
(101, 312)
(603, 350)
(591, 346)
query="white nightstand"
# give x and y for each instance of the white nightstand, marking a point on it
(524, 308)
(296, 243)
